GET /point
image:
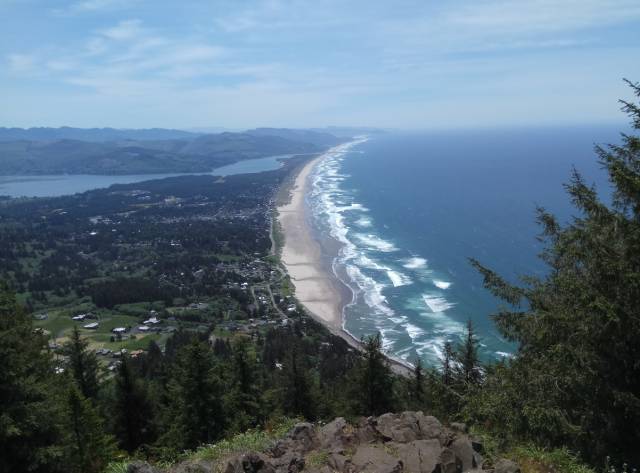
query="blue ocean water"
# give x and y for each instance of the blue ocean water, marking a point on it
(410, 209)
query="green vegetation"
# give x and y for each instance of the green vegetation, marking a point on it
(188, 153)
(252, 440)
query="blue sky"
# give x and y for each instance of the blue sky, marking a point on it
(241, 63)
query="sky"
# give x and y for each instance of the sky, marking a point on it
(241, 63)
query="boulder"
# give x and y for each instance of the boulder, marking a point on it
(336, 436)
(249, 463)
(448, 462)
(375, 459)
(462, 449)
(506, 466)
(399, 428)
(303, 434)
(419, 456)
(140, 467)
(430, 428)
(192, 467)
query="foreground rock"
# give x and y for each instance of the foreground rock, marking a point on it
(409, 442)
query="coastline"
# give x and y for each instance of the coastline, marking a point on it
(317, 288)
(301, 255)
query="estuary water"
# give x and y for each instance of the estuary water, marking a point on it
(409, 209)
(67, 184)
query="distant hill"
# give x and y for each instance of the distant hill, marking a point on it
(92, 134)
(198, 153)
(348, 131)
(320, 138)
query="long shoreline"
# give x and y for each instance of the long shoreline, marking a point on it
(316, 287)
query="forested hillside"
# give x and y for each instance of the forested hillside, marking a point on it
(146, 151)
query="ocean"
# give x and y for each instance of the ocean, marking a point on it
(409, 209)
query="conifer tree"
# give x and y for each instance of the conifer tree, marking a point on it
(195, 411)
(374, 382)
(417, 383)
(298, 396)
(468, 368)
(447, 364)
(132, 410)
(82, 364)
(576, 378)
(244, 398)
(87, 448)
(29, 412)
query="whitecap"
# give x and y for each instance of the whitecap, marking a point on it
(413, 331)
(363, 222)
(441, 284)
(376, 243)
(415, 263)
(437, 303)
(398, 279)
(504, 354)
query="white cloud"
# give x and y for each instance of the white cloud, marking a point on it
(124, 30)
(21, 63)
(94, 6)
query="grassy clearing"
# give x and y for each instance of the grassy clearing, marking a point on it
(533, 459)
(252, 440)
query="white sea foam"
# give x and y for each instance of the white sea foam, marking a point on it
(441, 284)
(415, 263)
(504, 354)
(413, 331)
(371, 289)
(398, 279)
(376, 243)
(437, 303)
(363, 222)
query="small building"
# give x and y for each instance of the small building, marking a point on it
(151, 321)
(79, 317)
(143, 328)
(91, 326)
(119, 330)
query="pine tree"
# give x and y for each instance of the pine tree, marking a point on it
(132, 410)
(244, 398)
(82, 364)
(576, 378)
(87, 448)
(195, 413)
(417, 383)
(468, 367)
(29, 413)
(374, 381)
(447, 364)
(298, 396)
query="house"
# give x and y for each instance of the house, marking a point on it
(79, 317)
(119, 330)
(152, 320)
(91, 326)
(143, 328)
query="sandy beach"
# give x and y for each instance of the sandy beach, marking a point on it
(316, 287)
(302, 257)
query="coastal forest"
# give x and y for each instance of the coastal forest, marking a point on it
(150, 321)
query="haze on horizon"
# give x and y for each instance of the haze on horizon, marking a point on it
(404, 64)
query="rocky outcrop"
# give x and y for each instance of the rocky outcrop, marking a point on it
(410, 442)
